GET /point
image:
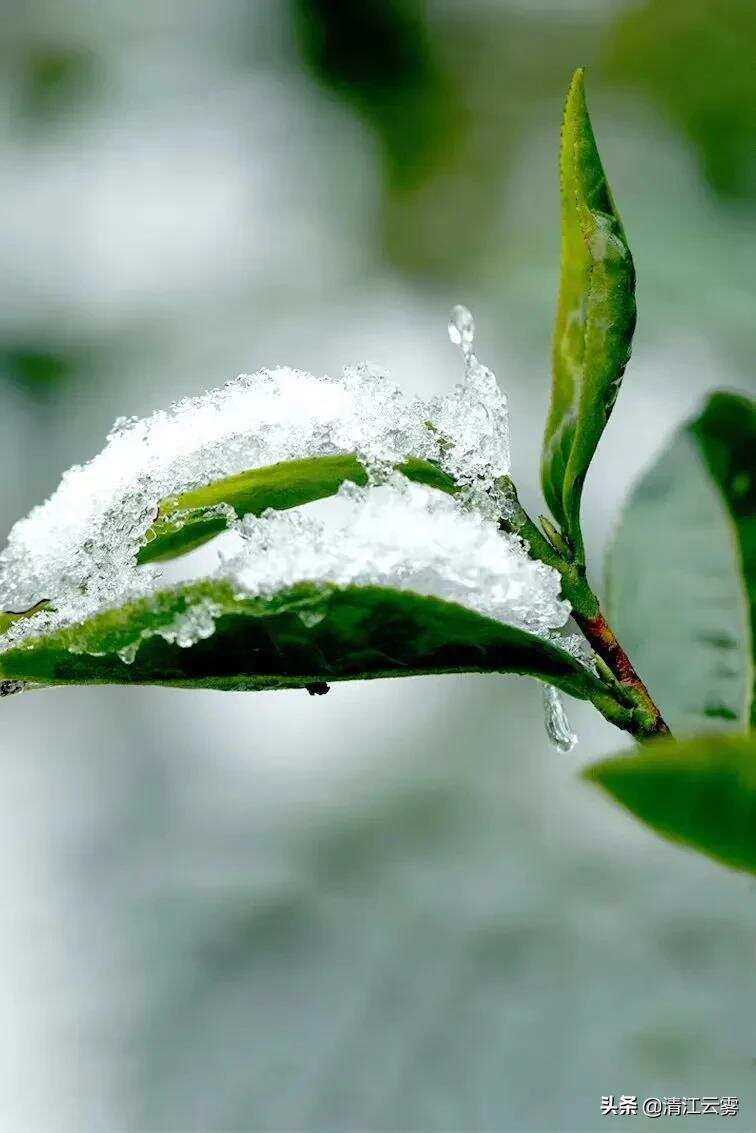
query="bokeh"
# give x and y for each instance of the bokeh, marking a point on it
(393, 907)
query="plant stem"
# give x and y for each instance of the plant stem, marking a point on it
(632, 707)
(602, 638)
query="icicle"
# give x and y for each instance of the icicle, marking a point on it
(561, 735)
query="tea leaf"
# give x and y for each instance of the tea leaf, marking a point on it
(8, 617)
(681, 572)
(701, 792)
(306, 635)
(186, 521)
(595, 318)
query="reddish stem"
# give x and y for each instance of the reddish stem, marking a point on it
(601, 636)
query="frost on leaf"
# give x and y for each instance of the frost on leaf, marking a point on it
(79, 548)
(407, 537)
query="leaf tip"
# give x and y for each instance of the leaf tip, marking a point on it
(575, 104)
(593, 773)
(578, 80)
(616, 772)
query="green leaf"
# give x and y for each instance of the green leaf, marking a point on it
(304, 636)
(595, 318)
(186, 521)
(701, 792)
(8, 617)
(681, 572)
(726, 435)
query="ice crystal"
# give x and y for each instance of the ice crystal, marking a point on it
(474, 419)
(195, 623)
(577, 646)
(406, 536)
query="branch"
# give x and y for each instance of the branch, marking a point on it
(602, 638)
(628, 692)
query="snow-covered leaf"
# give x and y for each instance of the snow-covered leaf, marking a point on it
(406, 579)
(274, 439)
(595, 318)
(186, 521)
(203, 636)
(701, 792)
(681, 575)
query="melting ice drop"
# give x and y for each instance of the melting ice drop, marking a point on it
(561, 735)
(462, 327)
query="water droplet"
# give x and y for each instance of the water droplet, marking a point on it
(462, 327)
(561, 735)
(473, 421)
(129, 652)
(311, 618)
(121, 425)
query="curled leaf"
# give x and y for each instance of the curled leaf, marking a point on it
(188, 520)
(595, 318)
(8, 617)
(202, 635)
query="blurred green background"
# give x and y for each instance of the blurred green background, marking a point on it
(392, 908)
